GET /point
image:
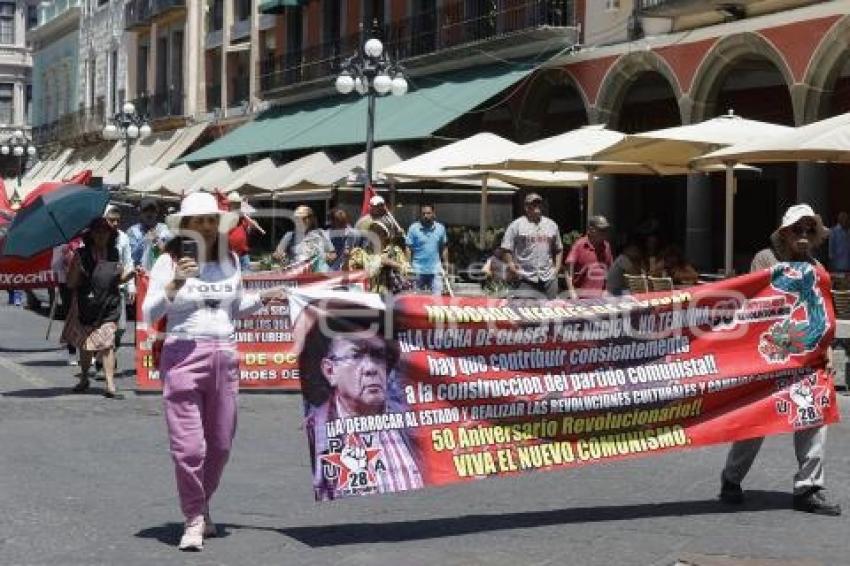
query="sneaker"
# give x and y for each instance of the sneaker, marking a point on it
(815, 501)
(210, 528)
(193, 536)
(730, 493)
(72, 360)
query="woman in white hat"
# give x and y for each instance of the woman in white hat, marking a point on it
(197, 286)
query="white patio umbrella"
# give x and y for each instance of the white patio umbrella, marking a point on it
(452, 164)
(826, 140)
(573, 151)
(674, 148)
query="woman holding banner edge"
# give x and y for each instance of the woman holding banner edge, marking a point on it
(197, 286)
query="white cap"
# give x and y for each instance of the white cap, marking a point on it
(376, 200)
(796, 213)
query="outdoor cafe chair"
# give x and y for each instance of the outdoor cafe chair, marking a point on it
(660, 283)
(637, 283)
(841, 299)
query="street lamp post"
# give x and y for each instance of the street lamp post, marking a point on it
(127, 126)
(21, 147)
(370, 72)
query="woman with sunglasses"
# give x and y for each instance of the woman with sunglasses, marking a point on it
(796, 240)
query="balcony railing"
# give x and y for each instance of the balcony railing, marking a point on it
(72, 125)
(160, 105)
(137, 13)
(163, 6)
(451, 25)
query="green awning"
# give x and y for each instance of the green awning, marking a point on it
(277, 6)
(341, 120)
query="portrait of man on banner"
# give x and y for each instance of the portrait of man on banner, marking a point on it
(349, 383)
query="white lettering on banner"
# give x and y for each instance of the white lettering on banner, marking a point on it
(39, 277)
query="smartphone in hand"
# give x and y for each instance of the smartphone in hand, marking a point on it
(189, 248)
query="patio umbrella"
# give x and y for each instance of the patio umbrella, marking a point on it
(826, 140)
(451, 163)
(676, 147)
(53, 218)
(572, 151)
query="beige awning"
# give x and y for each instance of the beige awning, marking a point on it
(179, 145)
(210, 177)
(353, 169)
(251, 179)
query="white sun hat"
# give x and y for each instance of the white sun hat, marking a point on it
(201, 204)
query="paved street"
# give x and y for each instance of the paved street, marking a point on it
(85, 480)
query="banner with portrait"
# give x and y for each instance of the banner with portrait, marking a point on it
(264, 339)
(413, 391)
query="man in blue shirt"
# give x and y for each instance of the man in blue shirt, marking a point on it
(839, 244)
(149, 236)
(426, 245)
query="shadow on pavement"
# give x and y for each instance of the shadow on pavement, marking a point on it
(169, 533)
(45, 363)
(30, 350)
(44, 392)
(401, 531)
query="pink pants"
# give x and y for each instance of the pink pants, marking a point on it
(201, 381)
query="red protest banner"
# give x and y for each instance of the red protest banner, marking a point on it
(264, 339)
(459, 389)
(38, 272)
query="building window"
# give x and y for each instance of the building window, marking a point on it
(28, 107)
(7, 103)
(32, 16)
(92, 77)
(113, 81)
(216, 21)
(243, 10)
(373, 15)
(102, 2)
(142, 70)
(7, 23)
(612, 5)
(330, 21)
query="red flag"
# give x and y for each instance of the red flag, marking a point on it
(368, 193)
(5, 205)
(42, 189)
(221, 199)
(81, 178)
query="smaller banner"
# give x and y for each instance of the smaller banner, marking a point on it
(424, 391)
(265, 339)
(38, 272)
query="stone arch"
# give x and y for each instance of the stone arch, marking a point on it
(535, 101)
(721, 59)
(622, 75)
(823, 71)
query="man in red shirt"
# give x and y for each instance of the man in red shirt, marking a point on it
(238, 237)
(589, 260)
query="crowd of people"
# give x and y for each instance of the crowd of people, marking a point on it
(195, 260)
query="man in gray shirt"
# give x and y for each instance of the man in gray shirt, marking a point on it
(532, 250)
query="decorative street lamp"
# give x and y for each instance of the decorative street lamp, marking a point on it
(127, 126)
(21, 147)
(370, 72)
